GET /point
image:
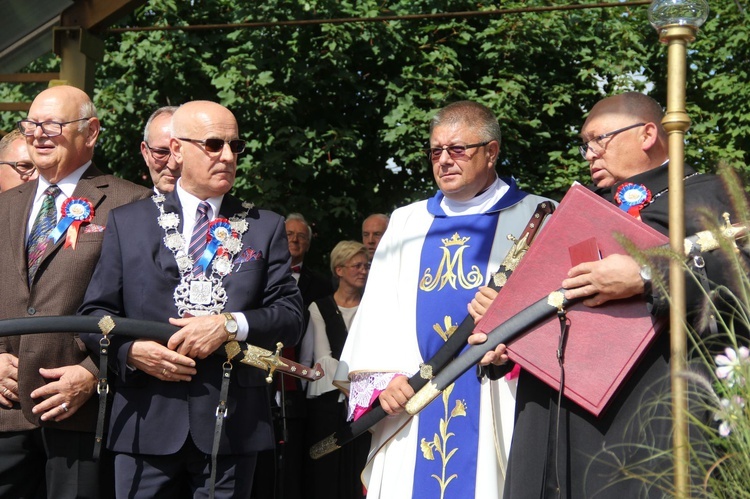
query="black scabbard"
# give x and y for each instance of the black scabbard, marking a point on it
(352, 430)
(134, 328)
(505, 333)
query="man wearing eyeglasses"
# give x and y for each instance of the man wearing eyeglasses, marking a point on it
(219, 269)
(155, 150)
(16, 167)
(428, 265)
(44, 270)
(616, 454)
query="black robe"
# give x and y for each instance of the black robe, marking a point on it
(591, 452)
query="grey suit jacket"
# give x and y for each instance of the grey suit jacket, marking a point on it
(58, 289)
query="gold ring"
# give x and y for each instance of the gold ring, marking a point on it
(163, 372)
(5, 390)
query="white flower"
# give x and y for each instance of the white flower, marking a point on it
(729, 414)
(732, 365)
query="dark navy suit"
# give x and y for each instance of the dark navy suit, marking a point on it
(136, 278)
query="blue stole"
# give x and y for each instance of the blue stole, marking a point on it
(453, 264)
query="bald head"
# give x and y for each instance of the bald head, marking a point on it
(624, 137)
(205, 173)
(635, 105)
(68, 146)
(373, 229)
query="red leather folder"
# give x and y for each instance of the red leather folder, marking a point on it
(604, 343)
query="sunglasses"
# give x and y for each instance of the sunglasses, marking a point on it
(216, 145)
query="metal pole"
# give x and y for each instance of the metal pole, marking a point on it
(676, 122)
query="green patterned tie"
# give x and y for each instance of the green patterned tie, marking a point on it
(43, 225)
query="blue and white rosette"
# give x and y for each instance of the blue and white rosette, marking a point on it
(75, 211)
(219, 231)
(632, 197)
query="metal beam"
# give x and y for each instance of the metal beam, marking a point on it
(28, 77)
(95, 15)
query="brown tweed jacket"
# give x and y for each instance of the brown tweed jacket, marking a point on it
(58, 289)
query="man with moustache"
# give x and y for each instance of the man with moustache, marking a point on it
(218, 268)
(155, 150)
(45, 270)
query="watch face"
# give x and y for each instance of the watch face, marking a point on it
(646, 273)
(230, 325)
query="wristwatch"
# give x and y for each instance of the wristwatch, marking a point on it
(645, 273)
(230, 326)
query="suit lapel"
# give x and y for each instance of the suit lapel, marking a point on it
(23, 197)
(230, 206)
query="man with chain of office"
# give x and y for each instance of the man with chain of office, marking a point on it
(219, 269)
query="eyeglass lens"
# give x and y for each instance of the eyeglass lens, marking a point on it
(49, 128)
(360, 266)
(455, 152)
(159, 153)
(216, 145)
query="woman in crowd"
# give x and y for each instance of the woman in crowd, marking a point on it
(337, 475)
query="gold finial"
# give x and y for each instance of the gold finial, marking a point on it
(106, 325)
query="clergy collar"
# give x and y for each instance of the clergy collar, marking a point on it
(503, 193)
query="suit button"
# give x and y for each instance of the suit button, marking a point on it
(31, 310)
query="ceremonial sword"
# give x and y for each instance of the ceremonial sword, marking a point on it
(246, 353)
(455, 343)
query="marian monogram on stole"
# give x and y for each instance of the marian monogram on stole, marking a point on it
(451, 268)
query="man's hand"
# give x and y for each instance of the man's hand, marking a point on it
(481, 302)
(71, 388)
(8, 379)
(612, 278)
(199, 336)
(160, 362)
(498, 356)
(396, 395)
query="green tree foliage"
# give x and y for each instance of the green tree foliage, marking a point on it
(336, 114)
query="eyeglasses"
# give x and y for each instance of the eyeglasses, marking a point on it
(455, 152)
(302, 236)
(158, 153)
(23, 168)
(216, 145)
(49, 128)
(584, 148)
(359, 266)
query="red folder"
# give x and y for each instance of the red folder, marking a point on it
(604, 343)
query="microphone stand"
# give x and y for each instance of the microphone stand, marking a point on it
(281, 443)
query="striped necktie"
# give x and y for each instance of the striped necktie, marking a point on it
(198, 239)
(43, 225)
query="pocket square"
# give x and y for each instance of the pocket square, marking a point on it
(92, 228)
(248, 255)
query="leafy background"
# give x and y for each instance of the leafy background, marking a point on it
(336, 114)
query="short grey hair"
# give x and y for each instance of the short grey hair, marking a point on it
(87, 110)
(472, 114)
(9, 138)
(168, 110)
(299, 217)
